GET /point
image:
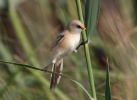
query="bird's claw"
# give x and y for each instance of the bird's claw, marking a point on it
(46, 68)
(84, 42)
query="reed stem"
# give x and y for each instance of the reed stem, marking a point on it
(87, 54)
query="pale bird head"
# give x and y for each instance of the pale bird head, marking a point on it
(75, 26)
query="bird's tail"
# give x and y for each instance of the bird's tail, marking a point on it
(57, 67)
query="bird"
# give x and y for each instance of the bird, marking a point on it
(64, 44)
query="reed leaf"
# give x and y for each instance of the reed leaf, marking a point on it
(108, 89)
(92, 8)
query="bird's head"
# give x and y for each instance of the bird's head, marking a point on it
(75, 26)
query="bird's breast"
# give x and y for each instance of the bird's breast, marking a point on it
(67, 45)
(71, 41)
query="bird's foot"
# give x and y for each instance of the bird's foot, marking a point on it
(46, 68)
(84, 42)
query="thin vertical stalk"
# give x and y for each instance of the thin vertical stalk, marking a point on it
(87, 54)
(108, 88)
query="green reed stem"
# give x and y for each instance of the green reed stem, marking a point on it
(87, 54)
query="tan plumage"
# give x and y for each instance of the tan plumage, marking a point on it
(65, 43)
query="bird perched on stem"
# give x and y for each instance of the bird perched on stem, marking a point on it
(64, 44)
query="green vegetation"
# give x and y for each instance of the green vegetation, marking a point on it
(108, 88)
(26, 34)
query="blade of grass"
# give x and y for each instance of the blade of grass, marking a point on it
(108, 89)
(28, 66)
(89, 67)
(92, 8)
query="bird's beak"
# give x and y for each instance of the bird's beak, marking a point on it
(83, 27)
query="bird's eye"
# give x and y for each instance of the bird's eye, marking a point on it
(78, 26)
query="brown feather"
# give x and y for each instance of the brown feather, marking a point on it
(58, 40)
(57, 67)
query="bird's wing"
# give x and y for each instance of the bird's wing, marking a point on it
(58, 40)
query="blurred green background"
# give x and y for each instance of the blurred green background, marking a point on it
(27, 28)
